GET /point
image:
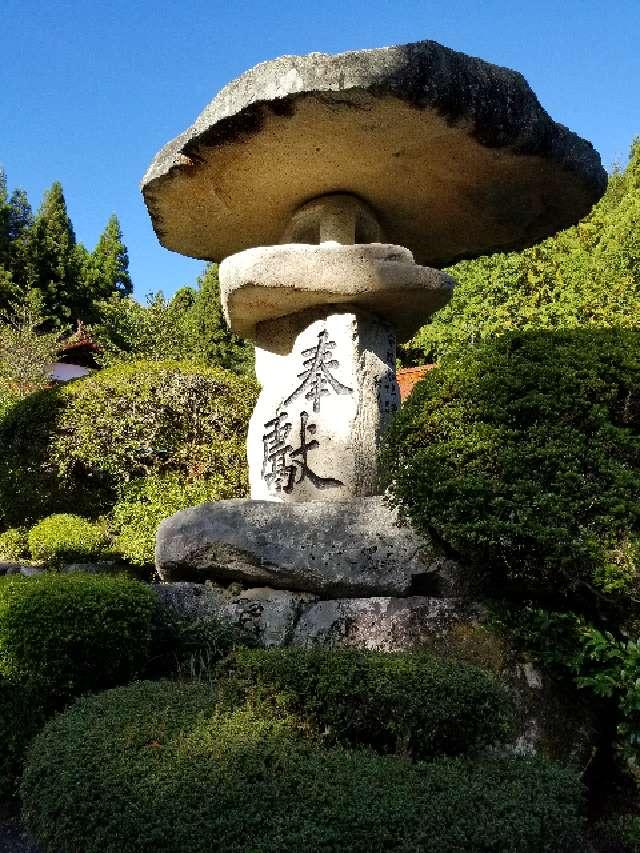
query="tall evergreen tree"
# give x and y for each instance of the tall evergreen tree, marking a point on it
(9, 290)
(20, 221)
(211, 341)
(108, 265)
(52, 261)
(5, 241)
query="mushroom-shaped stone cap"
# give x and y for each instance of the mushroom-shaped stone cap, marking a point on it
(455, 156)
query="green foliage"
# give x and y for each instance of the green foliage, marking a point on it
(72, 633)
(412, 704)
(129, 331)
(40, 255)
(587, 276)
(522, 456)
(81, 444)
(211, 341)
(108, 265)
(146, 418)
(13, 544)
(26, 355)
(610, 668)
(189, 327)
(30, 486)
(23, 712)
(157, 767)
(52, 261)
(618, 834)
(66, 538)
(147, 502)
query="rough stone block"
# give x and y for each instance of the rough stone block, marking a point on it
(269, 615)
(335, 550)
(381, 623)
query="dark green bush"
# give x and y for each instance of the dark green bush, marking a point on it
(66, 538)
(30, 486)
(71, 633)
(617, 834)
(413, 704)
(23, 712)
(521, 455)
(155, 767)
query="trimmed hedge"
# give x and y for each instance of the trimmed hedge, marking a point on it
(23, 712)
(72, 633)
(66, 538)
(148, 418)
(413, 704)
(145, 503)
(13, 544)
(155, 767)
(80, 444)
(521, 455)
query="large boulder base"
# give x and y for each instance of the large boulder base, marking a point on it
(550, 721)
(335, 550)
(267, 615)
(455, 156)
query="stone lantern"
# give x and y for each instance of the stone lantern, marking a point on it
(332, 188)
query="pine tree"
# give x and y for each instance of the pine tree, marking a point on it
(211, 341)
(20, 221)
(51, 261)
(108, 266)
(5, 240)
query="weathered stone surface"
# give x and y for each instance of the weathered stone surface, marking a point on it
(455, 156)
(551, 720)
(336, 550)
(268, 283)
(12, 568)
(328, 390)
(382, 623)
(270, 615)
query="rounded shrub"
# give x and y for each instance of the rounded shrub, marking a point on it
(157, 767)
(72, 633)
(409, 703)
(141, 418)
(81, 443)
(23, 712)
(30, 485)
(65, 538)
(521, 455)
(13, 544)
(145, 503)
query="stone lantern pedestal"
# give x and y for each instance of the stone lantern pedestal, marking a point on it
(331, 189)
(324, 318)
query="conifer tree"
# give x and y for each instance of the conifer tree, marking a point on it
(108, 265)
(211, 340)
(20, 221)
(5, 242)
(52, 260)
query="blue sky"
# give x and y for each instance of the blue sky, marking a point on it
(89, 91)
